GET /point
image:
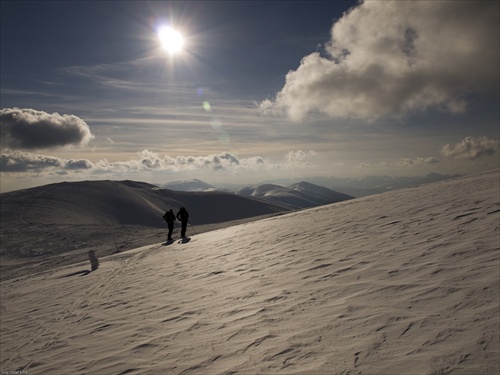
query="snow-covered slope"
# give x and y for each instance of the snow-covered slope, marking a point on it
(405, 282)
(40, 223)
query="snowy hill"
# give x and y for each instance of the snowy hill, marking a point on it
(404, 283)
(122, 203)
(298, 195)
(189, 185)
(119, 215)
(318, 194)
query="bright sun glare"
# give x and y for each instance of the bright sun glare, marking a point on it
(171, 40)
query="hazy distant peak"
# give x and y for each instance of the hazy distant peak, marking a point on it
(188, 185)
(298, 195)
(307, 186)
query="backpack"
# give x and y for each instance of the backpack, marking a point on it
(183, 215)
(169, 217)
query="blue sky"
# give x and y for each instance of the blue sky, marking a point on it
(260, 90)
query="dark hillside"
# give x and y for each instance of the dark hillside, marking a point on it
(122, 203)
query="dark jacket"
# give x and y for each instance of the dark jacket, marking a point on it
(169, 216)
(182, 215)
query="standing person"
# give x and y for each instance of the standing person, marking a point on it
(169, 218)
(183, 217)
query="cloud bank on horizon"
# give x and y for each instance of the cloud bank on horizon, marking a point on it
(148, 161)
(394, 58)
(469, 148)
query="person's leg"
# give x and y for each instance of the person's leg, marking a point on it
(170, 230)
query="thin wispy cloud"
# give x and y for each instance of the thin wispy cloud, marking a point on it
(393, 58)
(7, 91)
(403, 163)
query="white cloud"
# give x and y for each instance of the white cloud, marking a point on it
(299, 159)
(148, 161)
(389, 58)
(27, 162)
(471, 148)
(29, 129)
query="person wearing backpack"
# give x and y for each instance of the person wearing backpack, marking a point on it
(169, 218)
(183, 217)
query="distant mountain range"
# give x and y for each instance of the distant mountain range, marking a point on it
(295, 196)
(368, 185)
(354, 187)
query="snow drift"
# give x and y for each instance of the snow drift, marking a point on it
(405, 282)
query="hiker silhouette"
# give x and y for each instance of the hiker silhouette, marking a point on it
(183, 217)
(169, 218)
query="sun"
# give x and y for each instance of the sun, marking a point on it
(171, 40)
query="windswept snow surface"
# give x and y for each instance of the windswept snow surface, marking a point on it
(405, 282)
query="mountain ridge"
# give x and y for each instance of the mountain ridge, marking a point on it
(299, 195)
(355, 187)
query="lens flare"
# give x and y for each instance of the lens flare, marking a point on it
(170, 39)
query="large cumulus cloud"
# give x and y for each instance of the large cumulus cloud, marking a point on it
(389, 58)
(29, 129)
